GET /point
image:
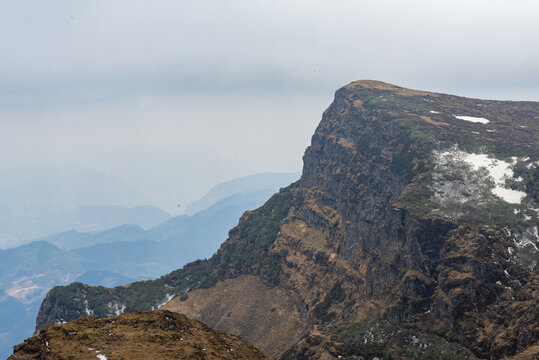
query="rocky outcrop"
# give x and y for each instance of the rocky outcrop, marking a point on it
(415, 210)
(143, 335)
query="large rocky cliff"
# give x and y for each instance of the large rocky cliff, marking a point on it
(412, 233)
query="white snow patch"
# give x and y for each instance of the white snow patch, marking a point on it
(116, 309)
(87, 310)
(101, 357)
(490, 130)
(472, 119)
(510, 196)
(529, 237)
(464, 181)
(434, 112)
(499, 170)
(168, 297)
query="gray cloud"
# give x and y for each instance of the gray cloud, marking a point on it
(170, 93)
(67, 51)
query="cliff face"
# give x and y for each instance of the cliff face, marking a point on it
(144, 335)
(414, 223)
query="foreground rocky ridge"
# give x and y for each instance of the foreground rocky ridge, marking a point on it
(400, 229)
(143, 335)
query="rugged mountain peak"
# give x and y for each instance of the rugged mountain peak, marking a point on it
(458, 158)
(415, 212)
(142, 335)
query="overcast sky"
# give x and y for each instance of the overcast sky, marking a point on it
(176, 96)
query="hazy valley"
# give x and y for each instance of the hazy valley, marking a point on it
(122, 254)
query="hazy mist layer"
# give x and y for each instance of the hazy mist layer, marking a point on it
(176, 96)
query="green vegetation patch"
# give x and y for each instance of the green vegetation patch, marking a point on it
(250, 252)
(387, 100)
(381, 339)
(335, 295)
(65, 303)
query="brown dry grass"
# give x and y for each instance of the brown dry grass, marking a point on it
(246, 307)
(433, 122)
(143, 335)
(531, 353)
(373, 84)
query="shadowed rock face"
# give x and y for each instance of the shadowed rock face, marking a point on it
(143, 335)
(389, 226)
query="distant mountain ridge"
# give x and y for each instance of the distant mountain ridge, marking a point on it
(63, 185)
(73, 239)
(248, 184)
(40, 200)
(103, 278)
